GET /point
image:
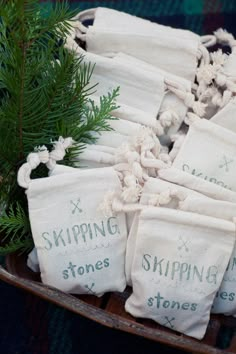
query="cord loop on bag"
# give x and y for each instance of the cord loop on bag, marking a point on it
(42, 155)
(208, 40)
(32, 162)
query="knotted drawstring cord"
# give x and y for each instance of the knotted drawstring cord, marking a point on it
(218, 57)
(208, 40)
(112, 204)
(214, 72)
(59, 150)
(34, 159)
(205, 76)
(168, 118)
(225, 38)
(137, 160)
(42, 155)
(220, 100)
(165, 197)
(86, 15)
(203, 55)
(187, 97)
(131, 190)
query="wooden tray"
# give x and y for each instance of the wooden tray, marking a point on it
(109, 311)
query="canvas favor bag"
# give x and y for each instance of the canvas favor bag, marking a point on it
(156, 192)
(208, 152)
(103, 17)
(80, 251)
(225, 300)
(190, 180)
(208, 206)
(165, 47)
(178, 267)
(139, 89)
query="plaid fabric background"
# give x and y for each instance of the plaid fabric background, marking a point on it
(32, 326)
(201, 16)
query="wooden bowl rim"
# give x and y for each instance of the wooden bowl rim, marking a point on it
(103, 317)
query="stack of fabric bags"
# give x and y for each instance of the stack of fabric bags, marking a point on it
(155, 206)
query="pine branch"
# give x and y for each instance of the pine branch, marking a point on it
(21, 104)
(19, 245)
(14, 223)
(44, 94)
(96, 118)
(15, 227)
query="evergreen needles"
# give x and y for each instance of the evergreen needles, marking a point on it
(44, 94)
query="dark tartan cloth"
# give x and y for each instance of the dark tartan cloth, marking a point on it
(200, 16)
(30, 325)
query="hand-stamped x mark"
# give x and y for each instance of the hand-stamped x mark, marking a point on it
(90, 291)
(183, 244)
(76, 206)
(168, 322)
(226, 163)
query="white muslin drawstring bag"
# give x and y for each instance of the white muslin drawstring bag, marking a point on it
(145, 91)
(192, 181)
(109, 18)
(208, 152)
(207, 206)
(140, 91)
(80, 251)
(170, 49)
(225, 300)
(155, 192)
(226, 116)
(179, 264)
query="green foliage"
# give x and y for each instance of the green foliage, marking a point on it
(44, 94)
(15, 222)
(18, 245)
(15, 227)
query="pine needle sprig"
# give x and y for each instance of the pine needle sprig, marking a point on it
(19, 245)
(95, 120)
(96, 117)
(14, 223)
